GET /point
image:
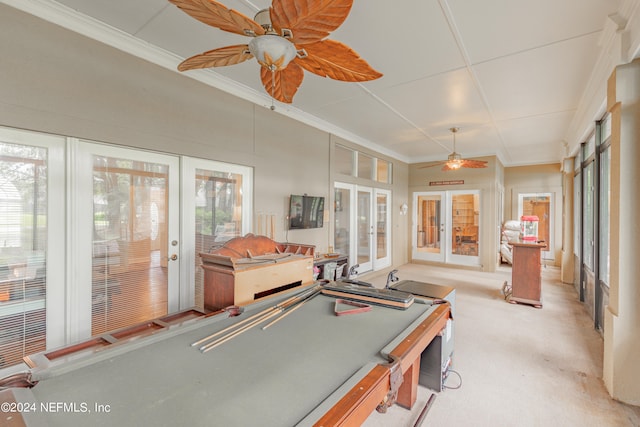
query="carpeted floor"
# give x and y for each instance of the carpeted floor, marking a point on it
(520, 366)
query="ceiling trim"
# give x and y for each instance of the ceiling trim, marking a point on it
(56, 13)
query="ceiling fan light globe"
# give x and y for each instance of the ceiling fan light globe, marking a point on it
(271, 51)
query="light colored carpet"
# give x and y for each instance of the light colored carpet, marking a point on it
(520, 366)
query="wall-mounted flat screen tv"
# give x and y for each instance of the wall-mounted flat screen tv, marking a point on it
(306, 212)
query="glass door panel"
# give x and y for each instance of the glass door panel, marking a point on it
(31, 228)
(123, 238)
(130, 228)
(464, 224)
(365, 229)
(218, 216)
(382, 232)
(342, 220)
(428, 230)
(23, 251)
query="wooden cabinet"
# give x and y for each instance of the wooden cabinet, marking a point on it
(241, 284)
(526, 274)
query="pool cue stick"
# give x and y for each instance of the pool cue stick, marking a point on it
(288, 311)
(245, 328)
(425, 410)
(248, 319)
(235, 333)
(255, 319)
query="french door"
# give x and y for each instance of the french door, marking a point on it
(446, 227)
(362, 228)
(124, 238)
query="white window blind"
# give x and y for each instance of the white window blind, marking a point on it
(23, 244)
(130, 226)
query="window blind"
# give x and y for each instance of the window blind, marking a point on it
(23, 242)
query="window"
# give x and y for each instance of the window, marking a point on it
(365, 166)
(344, 159)
(354, 163)
(383, 171)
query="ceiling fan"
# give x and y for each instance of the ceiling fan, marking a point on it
(455, 161)
(287, 38)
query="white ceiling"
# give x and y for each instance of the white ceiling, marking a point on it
(509, 73)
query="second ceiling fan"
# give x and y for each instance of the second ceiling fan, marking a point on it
(455, 160)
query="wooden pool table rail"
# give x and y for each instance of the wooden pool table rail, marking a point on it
(368, 393)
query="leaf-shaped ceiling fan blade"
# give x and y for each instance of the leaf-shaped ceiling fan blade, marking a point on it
(282, 84)
(229, 55)
(329, 58)
(309, 20)
(218, 15)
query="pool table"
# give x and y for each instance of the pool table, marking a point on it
(312, 367)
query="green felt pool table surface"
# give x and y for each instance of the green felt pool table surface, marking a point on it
(289, 374)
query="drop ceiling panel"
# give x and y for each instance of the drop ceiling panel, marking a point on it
(548, 152)
(402, 42)
(439, 102)
(495, 28)
(539, 81)
(536, 130)
(317, 94)
(366, 117)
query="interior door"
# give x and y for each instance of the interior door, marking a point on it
(126, 234)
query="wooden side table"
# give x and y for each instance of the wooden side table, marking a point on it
(526, 274)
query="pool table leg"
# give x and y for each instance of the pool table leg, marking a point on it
(408, 392)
